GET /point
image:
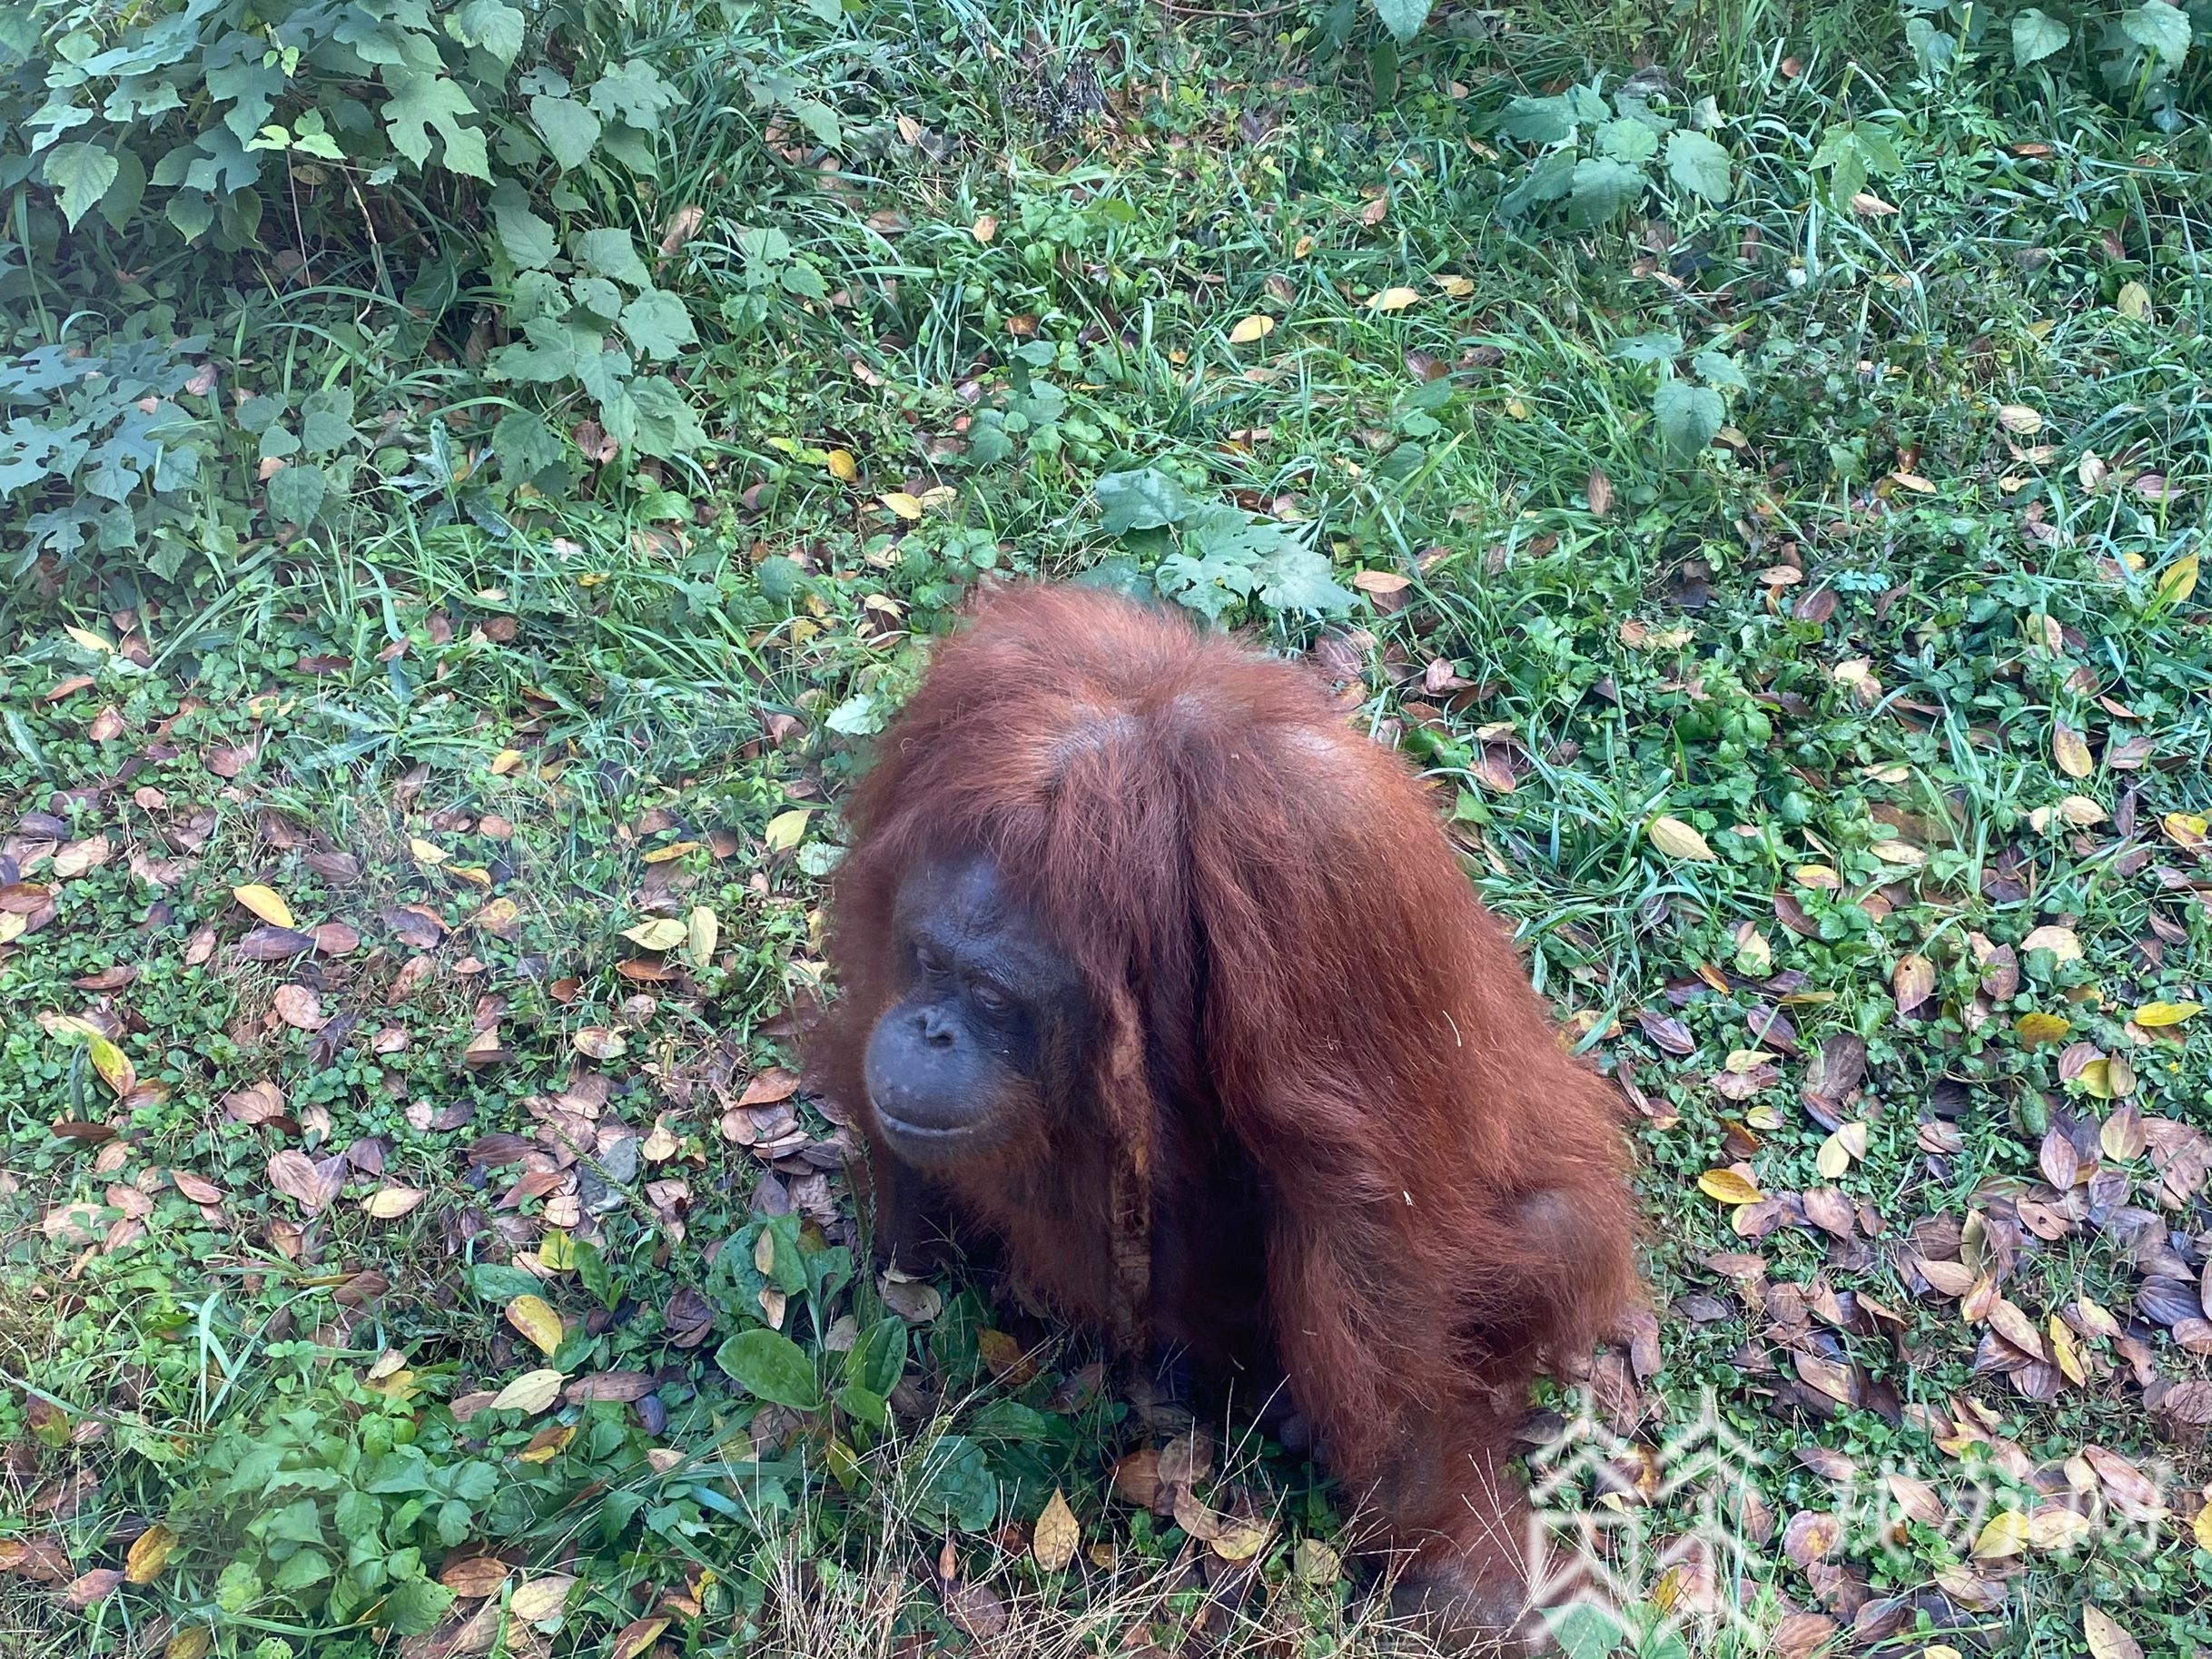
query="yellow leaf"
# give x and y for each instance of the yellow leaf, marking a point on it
(985, 227)
(786, 828)
(505, 762)
(557, 1249)
(2061, 942)
(841, 465)
(532, 1391)
(1315, 1563)
(1914, 481)
(113, 1064)
(390, 1203)
(1901, 853)
(2133, 302)
(1728, 1187)
(907, 506)
(674, 849)
(2107, 1639)
(1053, 1542)
(536, 1321)
(88, 639)
(2065, 1355)
(425, 852)
(2037, 1029)
(537, 1599)
(2018, 418)
(636, 1636)
(2177, 582)
(1454, 287)
(2202, 1527)
(1678, 840)
(149, 1554)
(264, 902)
(2005, 1534)
(192, 1642)
(658, 934)
(1394, 298)
(699, 934)
(2155, 1014)
(1255, 327)
(1840, 1150)
(2068, 749)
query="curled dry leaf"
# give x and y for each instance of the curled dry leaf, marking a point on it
(597, 1042)
(1912, 981)
(308, 1184)
(300, 1007)
(91, 1586)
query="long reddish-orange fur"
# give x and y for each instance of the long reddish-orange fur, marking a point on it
(1301, 989)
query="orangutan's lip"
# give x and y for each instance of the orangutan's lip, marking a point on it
(899, 1128)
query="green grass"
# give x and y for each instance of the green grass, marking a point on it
(1951, 517)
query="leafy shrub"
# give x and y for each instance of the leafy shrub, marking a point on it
(2136, 55)
(97, 454)
(491, 158)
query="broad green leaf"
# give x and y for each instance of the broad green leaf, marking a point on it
(79, 174)
(490, 25)
(770, 1365)
(876, 1361)
(524, 237)
(414, 1605)
(2036, 35)
(1647, 348)
(570, 131)
(657, 324)
(1719, 369)
(1631, 142)
(2160, 28)
(1551, 177)
(1698, 165)
(326, 419)
(1688, 416)
(1403, 18)
(635, 93)
(1601, 188)
(1145, 499)
(1299, 578)
(612, 253)
(422, 104)
(525, 445)
(297, 494)
(1535, 121)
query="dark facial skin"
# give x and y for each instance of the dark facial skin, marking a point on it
(956, 1065)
